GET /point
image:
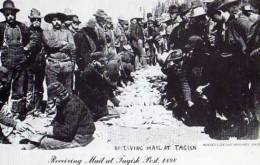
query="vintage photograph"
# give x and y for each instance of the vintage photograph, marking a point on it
(132, 74)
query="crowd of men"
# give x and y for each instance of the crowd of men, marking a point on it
(82, 68)
(208, 50)
(212, 70)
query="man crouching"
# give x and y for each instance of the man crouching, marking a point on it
(72, 126)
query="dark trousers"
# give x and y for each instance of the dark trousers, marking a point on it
(230, 87)
(14, 59)
(36, 74)
(61, 72)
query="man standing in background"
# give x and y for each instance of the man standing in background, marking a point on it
(14, 36)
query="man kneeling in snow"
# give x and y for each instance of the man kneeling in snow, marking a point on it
(72, 126)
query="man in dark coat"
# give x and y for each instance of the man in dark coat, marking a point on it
(232, 86)
(14, 36)
(120, 34)
(97, 88)
(253, 49)
(86, 41)
(137, 40)
(36, 69)
(100, 17)
(72, 126)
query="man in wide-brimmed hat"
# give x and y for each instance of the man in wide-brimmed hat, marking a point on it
(72, 23)
(86, 41)
(59, 46)
(110, 37)
(231, 43)
(14, 36)
(249, 14)
(199, 22)
(68, 12)
(36, 68)
(100, 17)
(175, 19)
(120, 34)
(177, 37)
(137, 40)
(75, 24)
(233, 6)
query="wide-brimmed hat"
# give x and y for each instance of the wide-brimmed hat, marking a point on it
(246, 8)
(198, 11)
(212, 8)
(126, 22)
(100, 13)
(68, 12)
(9, 5)
(122, 18)
(165, 17)
(227, 4)
(173, 9)
(137, 17)
(208, 1)
(49, 17)
(35, 14)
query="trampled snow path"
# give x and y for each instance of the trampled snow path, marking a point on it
(142, 120)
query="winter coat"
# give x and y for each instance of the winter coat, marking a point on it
(73, 118)
(120, 36)
(53, 44)
(86, 43)
(35, 46)
(15, 54)
(136, 32)
(24, 32)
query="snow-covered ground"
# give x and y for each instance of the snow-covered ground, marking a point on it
(142, 120)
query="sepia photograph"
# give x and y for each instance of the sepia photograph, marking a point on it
(129, 82)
